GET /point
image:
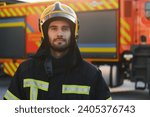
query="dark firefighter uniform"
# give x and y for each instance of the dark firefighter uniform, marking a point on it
(44, 77)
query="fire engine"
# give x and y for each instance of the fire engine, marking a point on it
(113, 34)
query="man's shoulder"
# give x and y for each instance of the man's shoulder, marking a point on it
(89, 67)
(29, 63)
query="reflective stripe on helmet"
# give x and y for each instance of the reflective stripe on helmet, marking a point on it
(10, 96)
(34, 86)
(75, 89)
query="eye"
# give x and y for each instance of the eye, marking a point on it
(65, 28)
(53, 28)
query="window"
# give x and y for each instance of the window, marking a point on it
(147, 10)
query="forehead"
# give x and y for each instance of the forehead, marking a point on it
(59, 23)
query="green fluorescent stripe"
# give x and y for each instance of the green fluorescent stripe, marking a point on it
(36, 83)
(110, 98)
(10, 96)
(33, 93)
(75, 89)
(34, 86)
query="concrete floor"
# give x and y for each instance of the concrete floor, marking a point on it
(124, 92)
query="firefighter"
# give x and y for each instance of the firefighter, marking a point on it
(57, 71)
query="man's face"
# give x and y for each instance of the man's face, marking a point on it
(59, 34)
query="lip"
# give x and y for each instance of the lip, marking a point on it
(59, 40)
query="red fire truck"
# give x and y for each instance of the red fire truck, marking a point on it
(114, 35)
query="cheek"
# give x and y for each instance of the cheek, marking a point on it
(50, 37)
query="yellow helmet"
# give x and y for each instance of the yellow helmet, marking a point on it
(58, 10)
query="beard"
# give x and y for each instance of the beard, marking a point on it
(60, 45)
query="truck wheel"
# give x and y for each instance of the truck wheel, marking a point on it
(113, 78)
(116, 78)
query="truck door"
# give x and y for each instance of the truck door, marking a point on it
(98, 34)
(12, 37)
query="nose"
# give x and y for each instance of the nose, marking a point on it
(60, 33)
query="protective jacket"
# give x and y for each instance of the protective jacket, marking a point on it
(43, 77)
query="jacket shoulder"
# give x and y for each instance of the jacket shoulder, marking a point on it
(89, 69)
(28, 64)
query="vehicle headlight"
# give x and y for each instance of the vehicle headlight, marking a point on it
(128, 57)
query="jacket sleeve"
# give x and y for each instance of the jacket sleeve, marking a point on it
(15, 90)
(99, 89)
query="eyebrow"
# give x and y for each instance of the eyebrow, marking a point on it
(52, 26)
